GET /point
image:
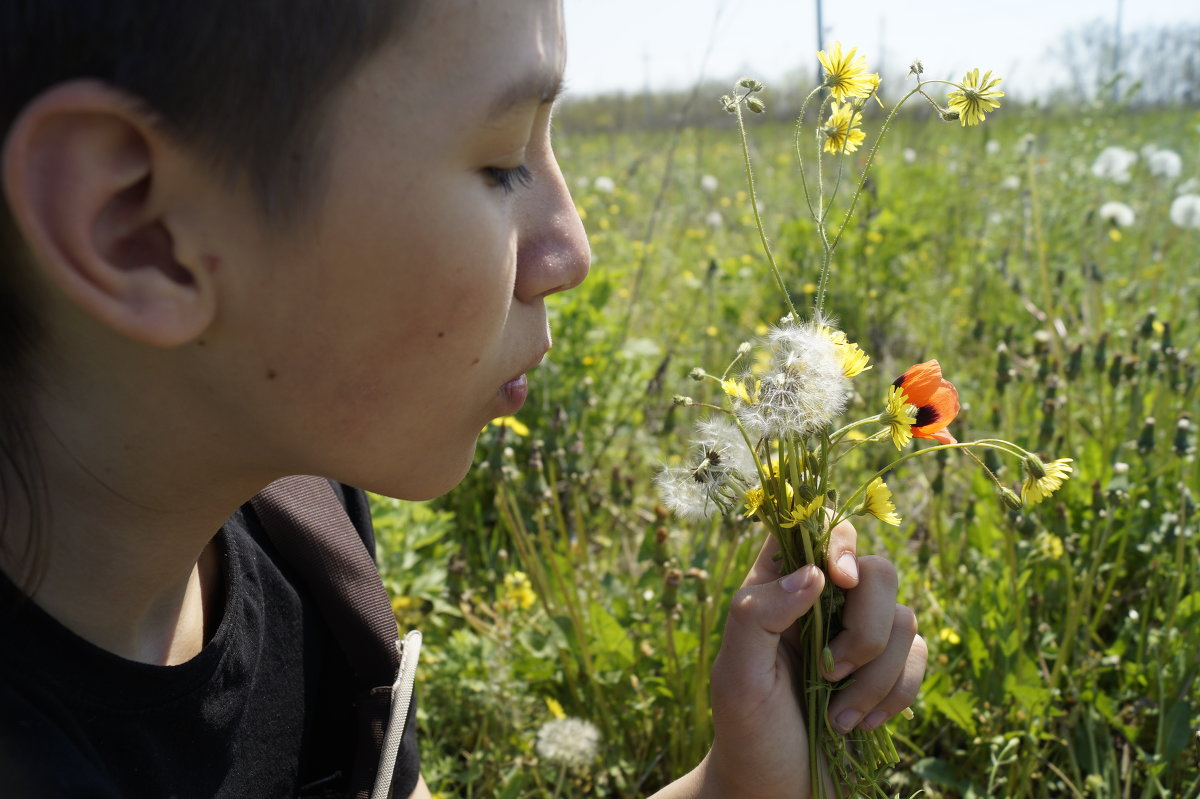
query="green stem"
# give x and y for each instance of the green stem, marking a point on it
(862, 180)
(762, 236)
(908, 456)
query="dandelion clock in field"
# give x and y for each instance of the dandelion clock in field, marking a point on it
(1165, 164)
(773, 449)
(1185, 211)
(1114, 164)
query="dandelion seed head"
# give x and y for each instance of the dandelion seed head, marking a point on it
(570, 742)
(683, 495)
(803, 389)
(1114, 163)
(722, 436)
(708, 184)
(1165, 164)
(1185, 211)
(910, 155)
(1118, 214)
(1120, 467)
(992, 147)
(604, 184)
(714, 219)
(1011, 183)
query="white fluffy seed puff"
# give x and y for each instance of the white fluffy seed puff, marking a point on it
(719, 469)
(803, 388)
(568, 742)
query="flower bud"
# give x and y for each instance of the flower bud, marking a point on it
(1183, 427)
(827, 660)
(756, 105)
(916, 67)
(697, 374)
(1010, 499)
(679, 399)
(1034, 466)
(948, 115)
(751, 84)
(743, 348)
(1145, 441)
(1075, 362)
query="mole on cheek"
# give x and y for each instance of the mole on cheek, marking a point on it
(271, 374)
(474, 361)
(441, 334)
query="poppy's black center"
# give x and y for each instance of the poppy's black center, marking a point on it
(926, 414)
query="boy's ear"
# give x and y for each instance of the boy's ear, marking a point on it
(83, 173)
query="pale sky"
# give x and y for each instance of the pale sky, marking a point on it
(628, 44)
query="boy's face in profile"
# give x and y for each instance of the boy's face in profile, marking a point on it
(378, 340)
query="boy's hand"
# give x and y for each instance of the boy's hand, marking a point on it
(761, 745)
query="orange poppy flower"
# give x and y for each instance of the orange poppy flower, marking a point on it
(935, 398)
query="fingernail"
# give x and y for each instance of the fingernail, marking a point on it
(842, 668)
(874, 720)
(849, 564)
(798, 580)
(848, 719)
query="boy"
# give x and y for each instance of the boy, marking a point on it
(254, 239)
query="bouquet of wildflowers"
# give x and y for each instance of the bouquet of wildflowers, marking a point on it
(774, 448)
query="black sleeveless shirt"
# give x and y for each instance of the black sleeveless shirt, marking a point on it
(264, 710)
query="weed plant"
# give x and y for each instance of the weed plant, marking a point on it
(1065, 645)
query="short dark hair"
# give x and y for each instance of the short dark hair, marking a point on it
(243, 83)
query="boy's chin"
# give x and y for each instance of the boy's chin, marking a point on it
(431, 482)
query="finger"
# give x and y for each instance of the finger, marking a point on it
(876, 680)
(866, 618)
(843, 555)
(766, 567)
(758, 614)
(904, 692)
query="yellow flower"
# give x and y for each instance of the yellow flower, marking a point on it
(555, 708)
(845, 75)
(841, 131)
(1043, 479)
(755, 498)
(512, 423)
(518, 592)
(803, 512)
(898, 417)
(1049, 545)
(878, 503)
(976, 97)
(949, 636)
(738, 389)
(854, 360)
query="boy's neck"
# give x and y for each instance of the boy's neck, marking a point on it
(125, 543)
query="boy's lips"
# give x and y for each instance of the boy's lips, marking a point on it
(514, 391)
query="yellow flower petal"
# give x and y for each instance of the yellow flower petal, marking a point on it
(512, 423)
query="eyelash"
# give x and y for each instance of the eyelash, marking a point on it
(509, 178)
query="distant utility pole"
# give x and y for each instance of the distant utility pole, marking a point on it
(820, 40)
(1116, 81)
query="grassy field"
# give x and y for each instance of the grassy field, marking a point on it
(1064, 639)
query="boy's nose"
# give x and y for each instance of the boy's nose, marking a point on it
(553, 253)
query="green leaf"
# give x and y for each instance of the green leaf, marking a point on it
(959, 707)
(939, 772)
(610, 645)
(1177, 731)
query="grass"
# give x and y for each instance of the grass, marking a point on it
(1064, 642)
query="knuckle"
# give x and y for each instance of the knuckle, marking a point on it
(905, 621)
(741, 606)
(878, 567)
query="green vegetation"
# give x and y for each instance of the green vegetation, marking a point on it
(1064, 640)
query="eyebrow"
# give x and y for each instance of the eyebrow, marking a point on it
(542, 87)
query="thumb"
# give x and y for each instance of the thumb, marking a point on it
(758, 615)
